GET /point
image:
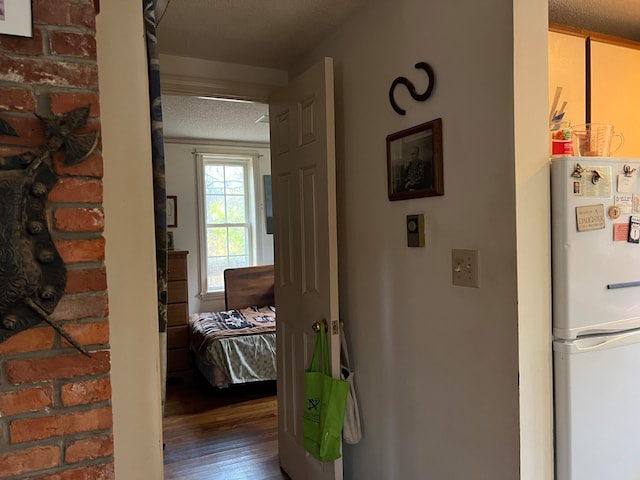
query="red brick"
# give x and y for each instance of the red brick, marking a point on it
(20, 371)
(64, 13)
(22, 45)
(29, 129)
(89, 167)
(30, 460)
(30, 429)
(75, 307)
(9, 151)
(26, 400)
(36, 71)
(73, 44)
(65, 102)
(72, 189)
(89, 449)
(88, 333)
(94, 472)
(17, 99)
(93, 280)
(79, 219)
(82, 393)
(31, 340)
(73, 251)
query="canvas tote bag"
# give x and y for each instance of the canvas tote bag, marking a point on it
(352, 431)
(324, 404)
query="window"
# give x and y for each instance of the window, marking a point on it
(226, 217)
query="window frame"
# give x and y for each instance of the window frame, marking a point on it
(250, 161)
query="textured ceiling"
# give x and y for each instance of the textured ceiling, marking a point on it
(620, 18)
(276, 33)
(194, 119)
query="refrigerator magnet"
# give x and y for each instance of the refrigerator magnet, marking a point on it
(590, 217)
(620, 232)
(634, 229)
(614, 212)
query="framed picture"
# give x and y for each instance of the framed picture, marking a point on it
(172, 211)
(170, 244)
(414, 162)
(15, 18)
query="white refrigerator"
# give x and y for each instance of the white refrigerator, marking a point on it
(596, 317)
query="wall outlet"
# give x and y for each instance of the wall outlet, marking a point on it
(464, 268)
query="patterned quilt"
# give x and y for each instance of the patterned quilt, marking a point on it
(208, 327)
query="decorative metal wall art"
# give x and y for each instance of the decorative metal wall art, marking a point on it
(420, 97)
(32, 273)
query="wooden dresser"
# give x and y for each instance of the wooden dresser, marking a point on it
(177, 315)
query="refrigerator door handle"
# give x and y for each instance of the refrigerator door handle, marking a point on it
(623, 285)
(601, 342)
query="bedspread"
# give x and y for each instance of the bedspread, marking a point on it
(235, 346)
(234, 360)
(206, 328)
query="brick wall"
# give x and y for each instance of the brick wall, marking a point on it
(55, 404)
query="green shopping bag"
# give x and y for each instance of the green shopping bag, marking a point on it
(325, 401)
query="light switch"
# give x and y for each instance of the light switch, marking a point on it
(464, 268)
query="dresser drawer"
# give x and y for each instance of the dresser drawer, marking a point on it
(176, 266)
(178, 337)
(177, 314)
(177, 292)
(177, 359)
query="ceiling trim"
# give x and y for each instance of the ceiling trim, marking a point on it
(205, 87)
(601, 37)
(207, 142)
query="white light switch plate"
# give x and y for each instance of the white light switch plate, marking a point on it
(464, 268)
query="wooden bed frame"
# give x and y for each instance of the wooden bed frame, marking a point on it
(248, 286)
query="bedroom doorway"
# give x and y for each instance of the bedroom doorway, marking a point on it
(307, 268)
(215, 422)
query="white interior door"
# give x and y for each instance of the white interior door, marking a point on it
(306, 264)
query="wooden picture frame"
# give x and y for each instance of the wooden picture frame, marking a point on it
(15, 18)
(414, 162)
(172, 211)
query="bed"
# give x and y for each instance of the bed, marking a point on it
(238, 345)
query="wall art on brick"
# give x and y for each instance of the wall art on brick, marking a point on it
(55, 402)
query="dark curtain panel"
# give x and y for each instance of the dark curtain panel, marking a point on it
(157, 145)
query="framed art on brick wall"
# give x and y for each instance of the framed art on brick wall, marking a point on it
(15, 18)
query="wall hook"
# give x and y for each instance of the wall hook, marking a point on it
(420, 97)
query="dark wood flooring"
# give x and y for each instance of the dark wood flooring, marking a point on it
(228, 434)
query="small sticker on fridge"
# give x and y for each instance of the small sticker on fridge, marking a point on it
(625, 202)
(620, 232)
(590, 217)
(627, 183)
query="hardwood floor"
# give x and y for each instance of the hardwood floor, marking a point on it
(228, 434)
